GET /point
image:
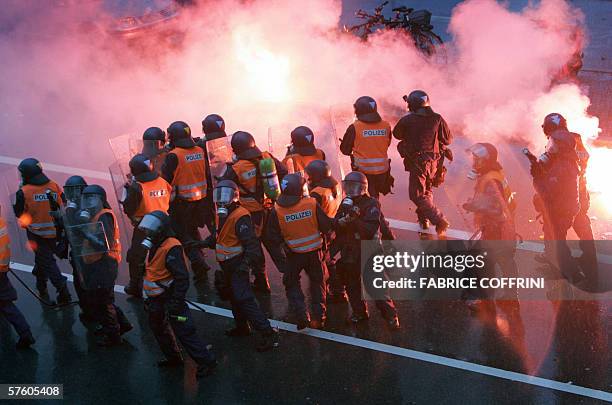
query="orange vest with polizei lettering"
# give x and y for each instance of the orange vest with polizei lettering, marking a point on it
(329, 203)
(228, 245)
(114, 245)
(247, 180)
(300, 161)
(299, 225)
(156, 272)
(5, 251)
(372, 141)
(35, 216)
(156, 196)
(189, 181)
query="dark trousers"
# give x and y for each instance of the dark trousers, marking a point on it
(351, 274)
(110, 316)
(420, 190)
(245, 308)
(335, 283)
(136, 256)
(187, 218)
(313, 264)
(13, 315)
(167, 330)
(85, 302)
(276, 253)
(45, 267)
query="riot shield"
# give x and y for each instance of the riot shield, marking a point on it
(341, 117)
(19, 241)
(124, 147)
(119, 178)
(219, 153)
(89, 244)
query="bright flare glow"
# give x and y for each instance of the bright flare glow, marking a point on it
(267, 73)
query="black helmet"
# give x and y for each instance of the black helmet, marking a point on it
(417, 99)
(140, 164)
(302, 140)
(317, 170)
(355, 184)
(74, 187)
(484, 157)
(213, 127)
(179, 134)
(553, 122)
(93, 199)
(156, 227)
(226, 192)
(154, 134)
(243, 145)
(30, 169)
(366, 109)
(95, 189)
(293, 188)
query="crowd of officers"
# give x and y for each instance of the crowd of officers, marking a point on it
(314, 226)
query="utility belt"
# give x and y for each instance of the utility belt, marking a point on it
(154, 289)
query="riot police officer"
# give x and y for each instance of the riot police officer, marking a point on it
(298, 223)
(245, 172)
(100, 254)
(328, 193)
(32, 209)
(8, 310)
(359, 219)
(154, 147)
(238, 250)
(185, 170)
(302, 150)
(424, 137)
(147, 192)
(166, 282)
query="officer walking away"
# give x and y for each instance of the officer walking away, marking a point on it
(582, 223)
(154, 147)
(424, 137)
(32, 209)
(147, 192)
(73, 189)
(328, 193)
(101, 254)
(298, 223)
(245, 171)
(185, 170)
(359, 218)
(556, 176)
(8, 310)
(238, 250)
(166, 282)
(302, 150)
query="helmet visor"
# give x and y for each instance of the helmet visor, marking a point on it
(224, 195)
(353, 188)
(150, 224)
(91, 202)
(73, 193)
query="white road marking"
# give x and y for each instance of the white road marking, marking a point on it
(399, 351)
(395, 223)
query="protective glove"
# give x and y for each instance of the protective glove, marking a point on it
(176, 306)
(345, 220)
(208, 243)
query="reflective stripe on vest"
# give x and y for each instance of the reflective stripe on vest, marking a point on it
(228, 245)
(370, 147)
(189, 179)
(153, 289)
(156, 195)
(301, 161)
(155, 269)
(5, 251)
(299, 225)
(36, 217)
(329, 203)
(246, 172)
(114, 245)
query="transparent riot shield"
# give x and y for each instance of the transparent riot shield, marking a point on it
(341, 117)
(11, 180)
(124, 147)
(119, 178)
(219, 153)
(89, 244)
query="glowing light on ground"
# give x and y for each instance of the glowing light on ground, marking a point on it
(266, 73)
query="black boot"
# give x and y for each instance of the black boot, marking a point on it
(199, 271)
(441, 228)
(261, 283)
(268, 340)
(110, 341)
(25, 341)
(63, 296)
(41, 286)
(170, 363)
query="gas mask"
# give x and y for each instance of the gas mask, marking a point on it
(152, 148)
(73, 195)
(91, 204)
(223, 197)
(354, 189)
(152, 228)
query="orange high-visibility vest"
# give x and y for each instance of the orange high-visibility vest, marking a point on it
(5, 251)
(247, 178)
(156, 196)
(483, 182)
(370, 148)
(299, 225)
(114, 245)
(156, 272)
(329, 203)
(300, 162)
(35, 216)
(228, 245)
(189, 179)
